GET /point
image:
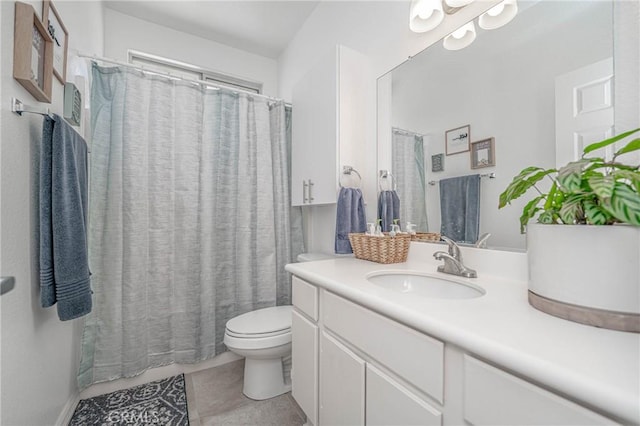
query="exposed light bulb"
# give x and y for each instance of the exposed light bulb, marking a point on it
(460, 32)
(496, 10)
(499, 15)
(460, 38)
(425, 15)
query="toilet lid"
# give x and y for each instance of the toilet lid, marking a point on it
(261, 321)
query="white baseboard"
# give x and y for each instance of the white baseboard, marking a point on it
(67, 411)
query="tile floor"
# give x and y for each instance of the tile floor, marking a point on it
(214, 397)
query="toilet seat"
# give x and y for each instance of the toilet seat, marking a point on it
(261, 323)
(257, 335)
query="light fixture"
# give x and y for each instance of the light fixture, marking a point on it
(458, 3)
(425, 15)
(498, 15)
(460, 38)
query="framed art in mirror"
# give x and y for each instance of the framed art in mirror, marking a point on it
(483, 153)
(437, 163)
(457, 140)
(60, 37)
(32, 53)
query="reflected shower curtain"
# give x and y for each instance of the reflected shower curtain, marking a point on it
(190, 219)
(407, 151)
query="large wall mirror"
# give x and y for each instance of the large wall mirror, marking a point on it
(502, 88)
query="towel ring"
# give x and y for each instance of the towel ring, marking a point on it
(385, 174)
(346, 170)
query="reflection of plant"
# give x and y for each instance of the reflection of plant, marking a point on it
(588, 191)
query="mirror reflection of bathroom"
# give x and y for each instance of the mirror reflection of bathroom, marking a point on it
(553, 46)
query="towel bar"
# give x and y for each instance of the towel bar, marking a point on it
(484, 175)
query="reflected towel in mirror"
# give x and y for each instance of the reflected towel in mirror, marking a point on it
(388, 209)
(460, 208)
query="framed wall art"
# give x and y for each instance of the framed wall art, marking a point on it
(60, 37)
(437, 163)
(457, 140)
(32, 53)
(483, 154)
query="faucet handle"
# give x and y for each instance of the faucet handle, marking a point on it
(454, 249)
(482, 240)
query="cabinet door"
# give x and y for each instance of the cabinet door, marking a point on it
(390, 403)
(304, 361)
(342, 376)
(495, 397)
(315, 134)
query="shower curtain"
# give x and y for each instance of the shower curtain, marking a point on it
(407, 152)
(190, 219)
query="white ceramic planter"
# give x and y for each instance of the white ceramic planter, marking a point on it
(588, 274)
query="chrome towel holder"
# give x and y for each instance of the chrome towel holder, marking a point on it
(348, 170)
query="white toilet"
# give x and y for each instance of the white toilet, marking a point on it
(263, 337)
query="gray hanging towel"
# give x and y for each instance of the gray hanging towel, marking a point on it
(460, 208)
(64, 265)
(388, 208)
(350, 217)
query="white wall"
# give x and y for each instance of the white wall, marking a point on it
(39, 353)
(503, 85)
(378, 29)
(124, 32)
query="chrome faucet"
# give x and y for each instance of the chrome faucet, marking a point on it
(453, 261)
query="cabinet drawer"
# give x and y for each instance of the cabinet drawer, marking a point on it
(494, 397)
(417, 358)
(305, 297)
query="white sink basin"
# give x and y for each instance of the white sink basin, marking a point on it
(417, 284)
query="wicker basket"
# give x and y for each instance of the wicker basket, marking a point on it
(384, 249)
(426, 236)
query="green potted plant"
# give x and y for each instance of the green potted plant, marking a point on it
(579, 268)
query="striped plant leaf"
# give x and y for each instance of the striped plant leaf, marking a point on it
(633, 177)
(602, 185)
(522, 183)
(624, 204)
(529, 211)
(571, 211)
(546, 217)
(570, 176)
(595, 214)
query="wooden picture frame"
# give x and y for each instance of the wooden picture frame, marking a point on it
(483, 154)
(60, 36)
(457, 140)
(32, 53)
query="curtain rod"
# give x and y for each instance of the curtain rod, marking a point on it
(406, 132)
(175, 77)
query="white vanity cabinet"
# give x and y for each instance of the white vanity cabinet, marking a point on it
(495, 397)
(304, 347)
(328, 125)
(347, 369)
(353, 366)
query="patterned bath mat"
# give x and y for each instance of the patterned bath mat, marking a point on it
(163, 402)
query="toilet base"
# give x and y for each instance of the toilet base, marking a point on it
(264, 378)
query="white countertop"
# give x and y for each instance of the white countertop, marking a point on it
(597, 367)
